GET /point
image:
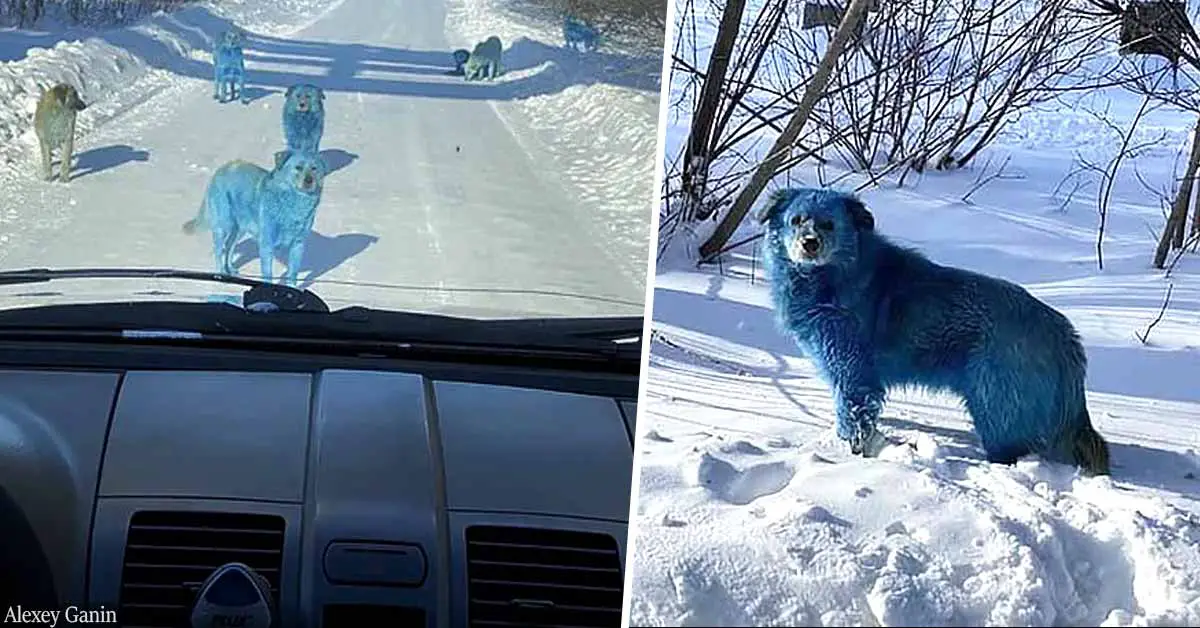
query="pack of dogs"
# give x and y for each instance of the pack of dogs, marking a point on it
(483, 62)
(275, 206)
(480, 63)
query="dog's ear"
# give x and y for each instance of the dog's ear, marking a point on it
(290, 91)
(860, 216)
(776, 202)
(321, 94)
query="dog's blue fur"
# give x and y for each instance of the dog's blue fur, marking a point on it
(580, 35)
(229, 68)
(460, 59)
(304, 118)
(873, 316)
(275, 207)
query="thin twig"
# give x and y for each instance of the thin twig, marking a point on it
(1145, 337)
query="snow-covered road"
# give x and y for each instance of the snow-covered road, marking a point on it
(435, 202)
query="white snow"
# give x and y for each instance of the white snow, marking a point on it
(529, 196)
(749, 512)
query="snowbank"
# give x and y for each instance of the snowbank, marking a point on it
(118, 68)
(600, 130)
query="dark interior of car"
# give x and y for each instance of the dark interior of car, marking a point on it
(395, 484)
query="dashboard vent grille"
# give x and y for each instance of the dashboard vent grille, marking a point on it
(169, 554)
(536, 577)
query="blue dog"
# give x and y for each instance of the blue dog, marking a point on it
(229, 68)
(460, 59)
(276, 207)
(872, 316)
(579, 35)
(304, 117)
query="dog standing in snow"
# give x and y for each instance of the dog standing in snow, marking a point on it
(304, 117)
(484, 62)
(54, 125)
(229, 68)
(460, 59)
(275, 207)
(872, 315)
(579, 35)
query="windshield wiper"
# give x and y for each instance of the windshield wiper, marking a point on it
(261, 296)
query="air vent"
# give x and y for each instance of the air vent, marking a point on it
(169, 554)
(536, 577)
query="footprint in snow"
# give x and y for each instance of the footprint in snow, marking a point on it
(743, 447)
(655, 436)
(670, 522)
(738, 486)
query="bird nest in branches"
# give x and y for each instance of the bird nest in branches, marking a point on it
(819, 14)
(1154, 27)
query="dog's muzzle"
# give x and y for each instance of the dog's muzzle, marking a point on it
(302, 106)
(308, 182)
(810, 246)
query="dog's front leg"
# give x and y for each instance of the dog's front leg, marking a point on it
(47, 169)
(68, 152)
(295, 256)
(241, 88)
(847, 362)
(266, 257)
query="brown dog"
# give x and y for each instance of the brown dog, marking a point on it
(54, 124)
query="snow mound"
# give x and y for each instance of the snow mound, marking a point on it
(117, 69)
(752, 527)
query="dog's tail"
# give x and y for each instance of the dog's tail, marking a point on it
(1089, 448)
(197, 223)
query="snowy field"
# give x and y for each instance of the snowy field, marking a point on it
(750, 513)
(526, 196)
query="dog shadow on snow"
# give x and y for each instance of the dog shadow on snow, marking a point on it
(100, 159)
(322, 253)
(274, 64)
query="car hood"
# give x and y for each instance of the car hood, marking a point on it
(465, 302)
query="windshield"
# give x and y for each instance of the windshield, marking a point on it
(477, 158)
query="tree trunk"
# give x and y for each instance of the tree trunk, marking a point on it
(1173, 231)
(783, 144)
(695, 164)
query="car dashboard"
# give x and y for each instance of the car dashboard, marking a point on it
(364, 490)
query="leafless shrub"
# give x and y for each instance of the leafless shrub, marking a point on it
(1144, 337)
(924, 84)
(25, 13)
(1170, 75)
(1128, 150)
(931, 83)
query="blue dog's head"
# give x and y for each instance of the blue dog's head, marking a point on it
(231, 38)
(460, 56)
(303, 172)
(815, 227)
(304, 98)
